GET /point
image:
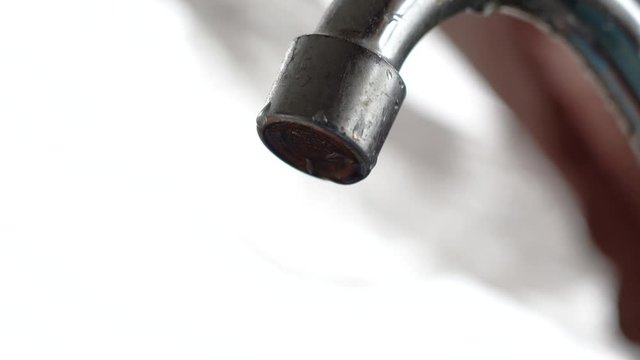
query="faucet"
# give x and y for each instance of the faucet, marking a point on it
(339, 89)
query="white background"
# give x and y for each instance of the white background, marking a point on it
(141, 218)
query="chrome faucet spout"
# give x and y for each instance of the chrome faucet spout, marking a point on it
(389, 28)
(339, 89)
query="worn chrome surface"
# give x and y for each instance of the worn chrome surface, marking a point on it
(376, 36)
(388, 28)
(331, 108)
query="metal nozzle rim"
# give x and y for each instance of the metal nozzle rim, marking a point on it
(313, 149)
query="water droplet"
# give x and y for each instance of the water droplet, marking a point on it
(489, 8)
(320, 117)
(358, 131)
(389, 74)
(393, 17)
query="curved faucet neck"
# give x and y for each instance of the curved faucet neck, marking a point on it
(389, 28)
(606, 33)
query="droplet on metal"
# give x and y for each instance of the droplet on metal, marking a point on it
(320, 117)
(358, 131)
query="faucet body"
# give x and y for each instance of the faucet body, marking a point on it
(339, 89)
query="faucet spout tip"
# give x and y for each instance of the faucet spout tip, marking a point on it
(331, 108)
(314, 150)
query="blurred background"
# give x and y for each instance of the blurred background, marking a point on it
(141, 217)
